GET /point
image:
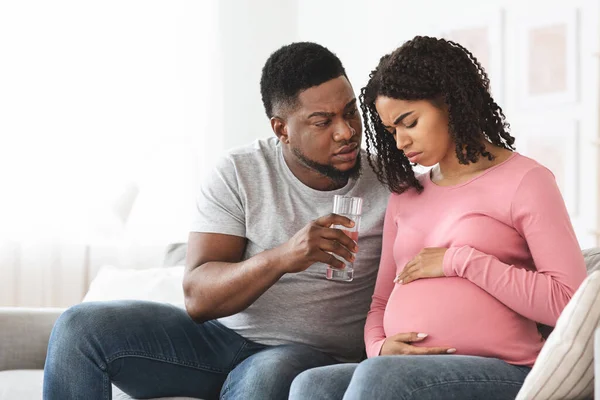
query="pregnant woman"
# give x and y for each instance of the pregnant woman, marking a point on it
(477, 251)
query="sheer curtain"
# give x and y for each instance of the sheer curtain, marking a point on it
(105, 110)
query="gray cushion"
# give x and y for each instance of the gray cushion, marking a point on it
(592, 259)
(24, 334)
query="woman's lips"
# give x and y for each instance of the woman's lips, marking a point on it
(413, 156)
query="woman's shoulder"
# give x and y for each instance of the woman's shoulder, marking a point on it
(521, 166)
(411, 192)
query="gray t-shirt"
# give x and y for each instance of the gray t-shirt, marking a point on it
(253, 194)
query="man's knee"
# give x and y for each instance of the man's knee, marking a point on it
(73, 335)
(75, 323)
(269, 373)
(105, 317)
(82, 327)
(267, 368)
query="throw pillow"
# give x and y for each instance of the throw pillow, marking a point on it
(565, 367)
(592, 259)
(153, 284)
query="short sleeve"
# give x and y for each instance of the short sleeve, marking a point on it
(219, 207)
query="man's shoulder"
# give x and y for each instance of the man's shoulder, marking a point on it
(368, 186)
(257, 148)
(251, 155)
(368, 177)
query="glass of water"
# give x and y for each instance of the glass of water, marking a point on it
(349, 207)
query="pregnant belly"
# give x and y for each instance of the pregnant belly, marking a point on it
(457, 313)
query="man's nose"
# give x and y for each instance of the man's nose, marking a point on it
(345, 131)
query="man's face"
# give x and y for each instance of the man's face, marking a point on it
(325, 130)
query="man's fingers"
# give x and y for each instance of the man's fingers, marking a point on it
(332, 246)
(339, 236)
(334, 219)
(330, 259)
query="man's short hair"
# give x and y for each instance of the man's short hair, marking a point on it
(292, 69)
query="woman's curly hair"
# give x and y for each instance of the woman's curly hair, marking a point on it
(440, 71)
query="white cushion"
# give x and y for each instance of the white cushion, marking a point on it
(119, 395)
(28, 384)
(565, 368)
(153, 284)
(21, 384)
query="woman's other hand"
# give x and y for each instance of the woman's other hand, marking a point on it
(399, 345)
(427, 264)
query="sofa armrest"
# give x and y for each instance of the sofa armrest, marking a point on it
(24, 334)
(597, 364)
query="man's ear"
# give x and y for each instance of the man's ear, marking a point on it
(280, 129)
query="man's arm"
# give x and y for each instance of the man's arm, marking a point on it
(218, 284)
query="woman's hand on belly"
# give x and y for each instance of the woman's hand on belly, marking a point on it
(427, 264)
(399, 345)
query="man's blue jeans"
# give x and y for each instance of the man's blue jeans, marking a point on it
(156, 350)
(412, 377)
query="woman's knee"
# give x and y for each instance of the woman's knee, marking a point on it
(377, 377)
(328, 382)
(304, 383)
(374, 368)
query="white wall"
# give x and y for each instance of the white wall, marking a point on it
(360, 32)
(249, 31)
(93, 96)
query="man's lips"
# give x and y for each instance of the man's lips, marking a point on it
(347, 153)
(349, 148)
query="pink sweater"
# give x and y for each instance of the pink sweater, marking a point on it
(512, 260)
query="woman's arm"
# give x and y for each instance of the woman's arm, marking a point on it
(374, 332)
(540, 216)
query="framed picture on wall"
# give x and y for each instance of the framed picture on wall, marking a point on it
(555, 145)
(482, 33)
(547, 57)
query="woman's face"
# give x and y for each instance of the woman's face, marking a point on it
(419, 128)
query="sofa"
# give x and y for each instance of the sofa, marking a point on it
(24, 334)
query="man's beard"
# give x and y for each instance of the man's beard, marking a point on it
(339, 178)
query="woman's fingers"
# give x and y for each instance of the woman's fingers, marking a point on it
(408, 337)
(431, 350)
(409, 271)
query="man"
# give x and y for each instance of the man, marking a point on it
(259, 309)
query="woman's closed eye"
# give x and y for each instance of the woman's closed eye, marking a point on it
(412, 125)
